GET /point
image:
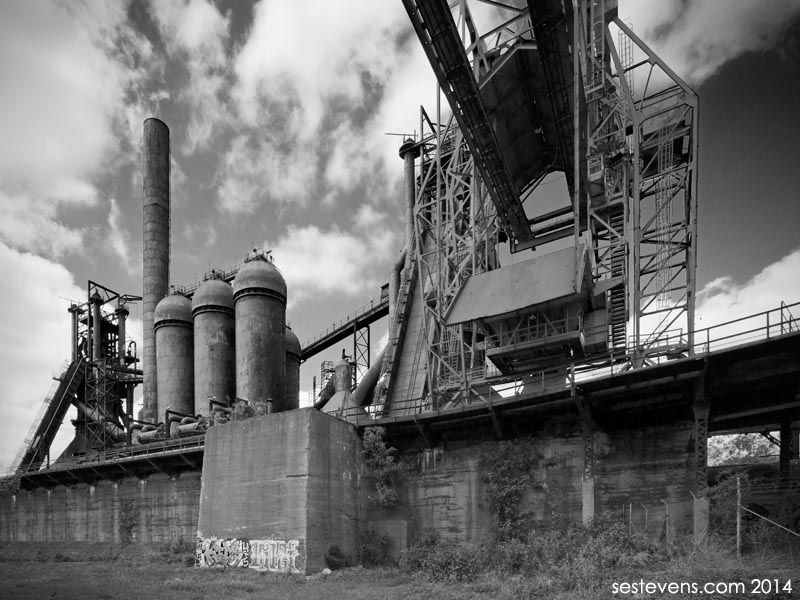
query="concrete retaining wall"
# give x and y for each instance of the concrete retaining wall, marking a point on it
(163, 508)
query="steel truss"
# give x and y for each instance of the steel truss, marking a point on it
(456, 229)
(641, 193)
(622, 127)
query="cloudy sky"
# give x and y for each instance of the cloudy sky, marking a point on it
(279, 113)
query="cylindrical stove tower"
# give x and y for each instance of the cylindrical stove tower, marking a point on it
(293, 356)
(155, 188)
(174, 355)
(214, 345)
(259, 297)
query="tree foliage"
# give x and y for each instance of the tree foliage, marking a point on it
(383, 468)
(739, 449)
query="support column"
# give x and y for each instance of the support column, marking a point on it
(786, 451)
(701, 409)
(587, 484)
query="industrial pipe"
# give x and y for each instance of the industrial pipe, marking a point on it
(326, 393)
(409, 151)
(75, 312)
(97, 328)
(115, 431)
(122, 315)
(363, 392)
(394, 283)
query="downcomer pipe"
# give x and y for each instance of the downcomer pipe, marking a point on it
(409, 151)
(155, 280)
(394, 283)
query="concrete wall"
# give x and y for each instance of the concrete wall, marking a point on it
(651, 466)
(291, 478)
(447, 496)
(165, 509)
(297, 476)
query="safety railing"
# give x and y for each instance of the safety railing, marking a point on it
(537, 331)
(672, 345)
(752, 328)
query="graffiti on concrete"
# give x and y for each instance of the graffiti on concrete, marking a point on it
(274, 555)
(264, 555)
(211, 552)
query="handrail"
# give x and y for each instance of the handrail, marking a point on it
(359, 312)
(521, 387)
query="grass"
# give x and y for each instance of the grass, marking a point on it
(81, 571)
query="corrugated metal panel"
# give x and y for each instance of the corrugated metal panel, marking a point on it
(536, 281)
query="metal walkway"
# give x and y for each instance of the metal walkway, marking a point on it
(366, 315)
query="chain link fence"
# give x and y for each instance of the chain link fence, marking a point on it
(741, 514)
(760, 515)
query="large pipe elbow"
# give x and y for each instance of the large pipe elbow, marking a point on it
(363, 392)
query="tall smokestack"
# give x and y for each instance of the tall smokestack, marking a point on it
(156, 249)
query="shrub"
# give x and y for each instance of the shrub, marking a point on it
(373, 549)
(384, 470)
(444, 561)
(335, 558)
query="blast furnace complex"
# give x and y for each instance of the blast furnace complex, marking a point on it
(583, 349)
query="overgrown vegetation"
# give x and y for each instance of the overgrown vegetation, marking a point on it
(384, 469)
(128, 516)
(569, 557)
(509, 469)
(373, 549)
(335, 558)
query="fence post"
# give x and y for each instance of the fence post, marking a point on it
(738, 517)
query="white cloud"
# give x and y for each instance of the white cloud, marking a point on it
(120, 242)
(197, 31)
(319, 262)
(725, 299)
(255, 172)
(65, 69)
(36, 340)
(697, 37)
(316, 88)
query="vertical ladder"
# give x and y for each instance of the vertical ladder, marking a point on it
(626, 57)
(617, 315)
(663, 214)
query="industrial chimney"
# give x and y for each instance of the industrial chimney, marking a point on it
(155, 183)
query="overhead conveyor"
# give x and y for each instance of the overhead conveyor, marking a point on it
(515, 106)
(436, 29)
(38, 446)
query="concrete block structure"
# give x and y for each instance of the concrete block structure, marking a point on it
(278, 491)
